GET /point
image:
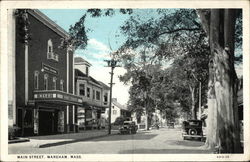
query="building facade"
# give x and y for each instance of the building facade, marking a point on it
(117, 110)
(94, 94)
(43, 79)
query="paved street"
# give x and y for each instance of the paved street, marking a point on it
(153, 141)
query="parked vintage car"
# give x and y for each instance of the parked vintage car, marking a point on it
(192, 129)
(128, 127)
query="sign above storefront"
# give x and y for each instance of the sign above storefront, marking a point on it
(49, 69)
(57, 96)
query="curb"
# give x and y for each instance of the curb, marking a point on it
(19, 140)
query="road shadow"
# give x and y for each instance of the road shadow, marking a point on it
(112, 137)
(165, 151)
(191, 143)
(122, 137)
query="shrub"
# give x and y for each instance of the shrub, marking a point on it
(12, 132)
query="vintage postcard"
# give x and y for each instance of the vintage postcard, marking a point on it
(125, 80)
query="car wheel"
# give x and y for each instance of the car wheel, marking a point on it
(192, 131)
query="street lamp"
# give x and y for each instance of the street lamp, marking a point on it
(111, 63)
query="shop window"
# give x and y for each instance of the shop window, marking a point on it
(82, 89)
(54, 83)
(50, 54)
(36, 80)
(98, 97)
(88, 92)
(61, 85)
(27, 118)
(93, 94)
(46, 77)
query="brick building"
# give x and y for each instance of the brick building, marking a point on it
(41, 95)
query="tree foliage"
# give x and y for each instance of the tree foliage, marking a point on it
(176, 36)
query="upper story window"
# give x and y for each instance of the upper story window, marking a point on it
(61, 85)
(50, 54)
(54, 83)
(98, 95)
(36, 80)
(88, 92)
(105, 98)
(87, 70)
(82, 89)
(46, 82)
(93, 94)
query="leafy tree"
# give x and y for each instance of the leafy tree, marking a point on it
(142, 100)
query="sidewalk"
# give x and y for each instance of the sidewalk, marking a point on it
(60, 139)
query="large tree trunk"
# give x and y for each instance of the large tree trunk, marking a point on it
(223, 123)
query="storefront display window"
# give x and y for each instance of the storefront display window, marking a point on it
(27, 118)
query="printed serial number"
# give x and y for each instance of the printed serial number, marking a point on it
(222, 156)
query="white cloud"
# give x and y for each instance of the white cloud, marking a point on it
(93, 43)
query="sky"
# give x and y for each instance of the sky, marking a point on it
(103, 32)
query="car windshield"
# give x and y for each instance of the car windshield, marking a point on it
(194, 123)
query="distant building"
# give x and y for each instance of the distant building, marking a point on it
(117, 110)
(42, 99)
(95, 96)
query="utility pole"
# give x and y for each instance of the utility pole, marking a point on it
(111, 63)
(199, 99)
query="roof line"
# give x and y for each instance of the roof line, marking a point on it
(48, 22)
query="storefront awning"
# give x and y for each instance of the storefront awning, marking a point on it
(56, 96)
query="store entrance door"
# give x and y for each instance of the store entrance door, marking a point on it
(46, 123)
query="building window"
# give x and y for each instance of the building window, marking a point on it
(45, 81)
(88, 92)
(36, 80)
(61, 85)
(87, 70)
(105, 98)
(114, 112)
(50, 54)
(93, 94)
(82, 89)
(98, 95)
(54, 83)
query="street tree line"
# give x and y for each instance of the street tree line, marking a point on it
(201, 46)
